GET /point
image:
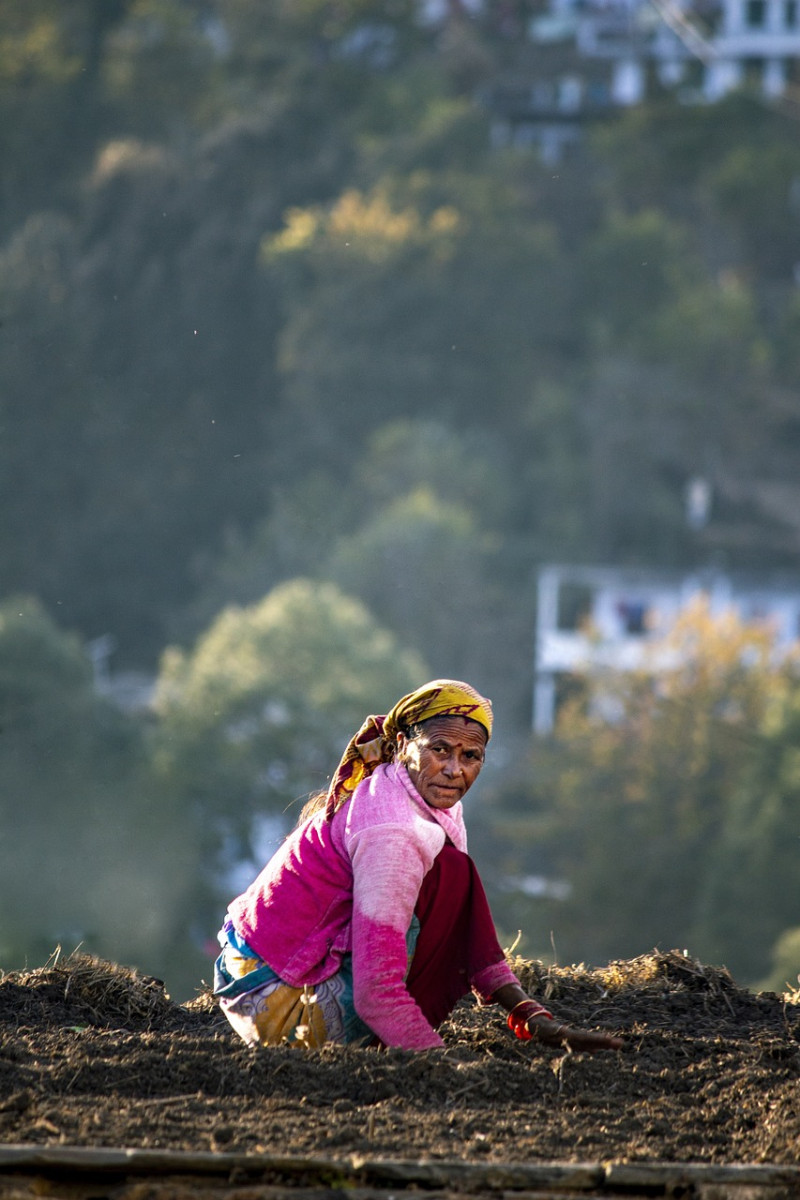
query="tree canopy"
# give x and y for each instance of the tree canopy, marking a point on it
(666, 803)
(91, 850)
(277, 240)
(256, 716)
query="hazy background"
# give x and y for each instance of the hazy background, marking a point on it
(300, 382)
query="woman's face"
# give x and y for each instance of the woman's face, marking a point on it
(444, 759)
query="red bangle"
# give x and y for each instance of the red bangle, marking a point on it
(522, 1013)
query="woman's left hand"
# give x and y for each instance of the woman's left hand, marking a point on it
(553, 1033)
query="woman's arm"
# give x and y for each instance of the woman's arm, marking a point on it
(527, 1016)
(388, 869)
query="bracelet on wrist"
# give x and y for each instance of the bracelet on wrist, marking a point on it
(523, 1012)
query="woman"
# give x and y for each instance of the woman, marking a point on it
(370, 922)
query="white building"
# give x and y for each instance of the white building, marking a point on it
(603, 617)
(760, 36)
(731, 41)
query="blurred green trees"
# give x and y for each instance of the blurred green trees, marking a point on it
(92, 852)
(667, 802)
(276, 240)
(254, 719)
(784, 976)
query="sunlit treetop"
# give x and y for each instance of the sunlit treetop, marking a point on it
(368, 222)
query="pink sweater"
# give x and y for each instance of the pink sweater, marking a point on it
(351, 884)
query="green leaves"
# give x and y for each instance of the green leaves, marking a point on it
(256, 716)
(89, 851)
(675, 821)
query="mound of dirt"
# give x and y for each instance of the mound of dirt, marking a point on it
(97, 1055)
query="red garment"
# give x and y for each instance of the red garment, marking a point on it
(457, 937)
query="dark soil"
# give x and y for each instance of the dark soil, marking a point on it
(92, 1054)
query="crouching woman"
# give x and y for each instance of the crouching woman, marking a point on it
(370, 922)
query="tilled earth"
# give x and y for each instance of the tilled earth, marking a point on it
(95, 1055)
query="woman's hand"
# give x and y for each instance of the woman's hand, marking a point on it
(550, 1032)
(530, 1021)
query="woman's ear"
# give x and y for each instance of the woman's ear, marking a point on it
(401, 741)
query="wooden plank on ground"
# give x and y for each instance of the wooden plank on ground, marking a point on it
(373, 1179)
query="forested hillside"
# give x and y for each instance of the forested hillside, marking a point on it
(280, 329)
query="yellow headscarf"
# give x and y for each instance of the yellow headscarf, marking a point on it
(375, 741)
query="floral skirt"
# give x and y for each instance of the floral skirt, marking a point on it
(264, 1010)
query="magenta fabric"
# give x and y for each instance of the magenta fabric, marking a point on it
(298, 913)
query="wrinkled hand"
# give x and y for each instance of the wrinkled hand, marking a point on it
(553, 1033)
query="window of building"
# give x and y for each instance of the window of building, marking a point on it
(756, 13)
(790, 13)
(633, 616)
(753, 72)
(574, 606)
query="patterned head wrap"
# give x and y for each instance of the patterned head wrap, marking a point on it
(375, 741)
